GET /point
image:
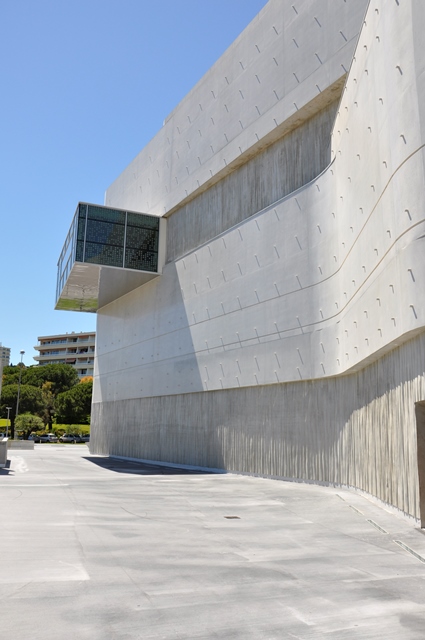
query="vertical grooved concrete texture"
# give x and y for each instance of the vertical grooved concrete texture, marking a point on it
(284, 166)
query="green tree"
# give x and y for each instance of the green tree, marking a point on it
(50, 379)
(49, 403)
(74, 406)
(11, 374)
(30, 401)
(63, 376)
(26, 423)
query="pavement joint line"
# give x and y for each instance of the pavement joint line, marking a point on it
(409, 550)
(376, 525)
(356, 510)
(13, 486)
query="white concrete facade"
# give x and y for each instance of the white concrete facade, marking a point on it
(285, 335)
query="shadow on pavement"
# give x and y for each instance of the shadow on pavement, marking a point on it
(143, 468)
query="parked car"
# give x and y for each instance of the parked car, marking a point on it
(70, 437)
(48, 437)
(85, 438)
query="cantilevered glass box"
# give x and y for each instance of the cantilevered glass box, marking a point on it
(107, 253)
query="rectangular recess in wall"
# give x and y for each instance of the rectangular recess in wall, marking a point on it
(107, 253)
(420, 431)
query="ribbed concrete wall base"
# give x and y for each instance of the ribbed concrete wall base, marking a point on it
(20, 444)
(357, 430)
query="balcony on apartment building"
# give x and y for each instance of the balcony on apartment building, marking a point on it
(71, 349)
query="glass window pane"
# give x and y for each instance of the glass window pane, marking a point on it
(107, 215)
(79, 255)
(105, 232)
(104, 254)
(141, 260)
(146, 239)
(81, 228)
(140, 220)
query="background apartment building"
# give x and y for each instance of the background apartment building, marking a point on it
(4, 356)
(4, 360)
(76, 349)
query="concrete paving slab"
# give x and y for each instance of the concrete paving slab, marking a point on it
(107, 549)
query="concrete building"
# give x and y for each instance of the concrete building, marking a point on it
(4, 356)
(77, 349)
(281, 329)
(4, 361)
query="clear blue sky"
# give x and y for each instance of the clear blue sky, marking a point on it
(85, 84)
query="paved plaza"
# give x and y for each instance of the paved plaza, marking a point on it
(101, 549)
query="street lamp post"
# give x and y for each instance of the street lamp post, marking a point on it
(9, 409)
(19, 390)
